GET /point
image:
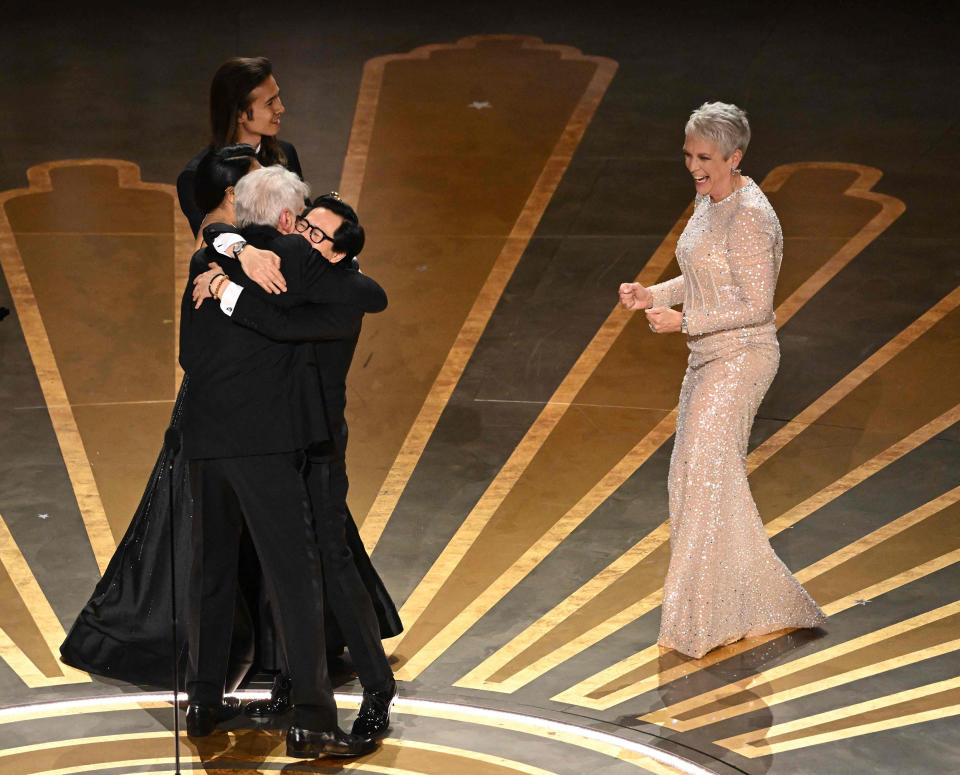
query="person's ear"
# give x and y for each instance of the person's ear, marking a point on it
(735, 158)
(337, 256)
(231, 195)
(286, 221)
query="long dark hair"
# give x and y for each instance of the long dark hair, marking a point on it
(230, 94)
(218, 171)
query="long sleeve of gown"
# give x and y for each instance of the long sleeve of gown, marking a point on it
(753, 275)
(668, 293)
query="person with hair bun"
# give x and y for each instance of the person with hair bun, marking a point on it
(217, 174)
(724, 581)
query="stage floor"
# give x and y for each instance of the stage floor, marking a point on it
(510, 427)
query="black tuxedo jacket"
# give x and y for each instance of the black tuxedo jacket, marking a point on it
(251, 395)
(279, 317)
(185, 181)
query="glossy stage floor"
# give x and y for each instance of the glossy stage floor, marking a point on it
(510, 427)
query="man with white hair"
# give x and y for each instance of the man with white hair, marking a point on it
(247, 424)
(360, 606)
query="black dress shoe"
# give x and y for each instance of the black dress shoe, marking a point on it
(203, 719)
(374, 715)
(277, 705)
(310, 743)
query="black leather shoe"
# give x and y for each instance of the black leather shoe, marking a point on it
(277, 705)
(374, 715)
(203, 719)
(310, 743)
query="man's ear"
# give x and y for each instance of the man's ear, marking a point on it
(286, 221)
(336, 257)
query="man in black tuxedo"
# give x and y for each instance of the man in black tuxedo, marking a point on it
(249, 422)
(332, 227)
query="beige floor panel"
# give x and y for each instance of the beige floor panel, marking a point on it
(443, 175)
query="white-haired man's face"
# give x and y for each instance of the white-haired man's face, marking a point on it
(712, 174)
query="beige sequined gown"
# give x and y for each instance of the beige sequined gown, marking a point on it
(724, 581)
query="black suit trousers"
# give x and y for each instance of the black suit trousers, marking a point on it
(347, 596)
(267, 493)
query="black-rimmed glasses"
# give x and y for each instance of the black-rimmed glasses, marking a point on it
(315, 233)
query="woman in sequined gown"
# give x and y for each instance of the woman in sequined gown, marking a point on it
(724, 582)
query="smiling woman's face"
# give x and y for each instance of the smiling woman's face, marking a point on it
(711, 172)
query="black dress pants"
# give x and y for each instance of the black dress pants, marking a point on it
(347, 595)
(267, 493)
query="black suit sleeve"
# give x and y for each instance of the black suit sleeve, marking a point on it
(308, 322)
(310, 277)
(188, 357)
(188, 204)
(326, 283)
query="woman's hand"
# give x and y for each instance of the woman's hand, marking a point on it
(201, 284)
(664, 320)
(263, 267)
(634, 296)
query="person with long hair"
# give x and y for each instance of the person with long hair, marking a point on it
(724, 581)
(245, 108)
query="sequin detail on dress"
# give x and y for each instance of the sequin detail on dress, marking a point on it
(724, 582)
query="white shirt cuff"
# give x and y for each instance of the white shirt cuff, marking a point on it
(224, 242)
(228, 299)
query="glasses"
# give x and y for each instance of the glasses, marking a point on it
(315, 233)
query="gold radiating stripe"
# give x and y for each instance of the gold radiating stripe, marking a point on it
(864, 471)
(857, 377)
(524, 453)
(891, 209)
(578, 694)
(714, 706)
(535, 438)
(43, 616)
(61, 414)
(913, 706)
(480, 677)
(594, 692)
(879, 535)
(489, 295)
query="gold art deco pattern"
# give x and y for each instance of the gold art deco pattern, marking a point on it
(605, 421)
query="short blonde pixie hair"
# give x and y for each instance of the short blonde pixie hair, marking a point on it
(723, 123)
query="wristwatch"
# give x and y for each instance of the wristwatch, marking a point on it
(683, 323)
(236, 247)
